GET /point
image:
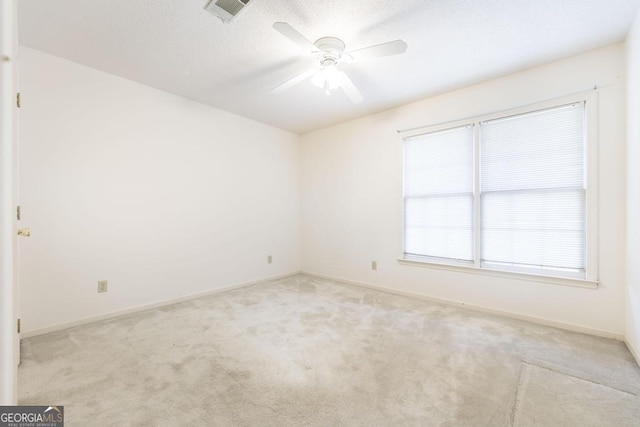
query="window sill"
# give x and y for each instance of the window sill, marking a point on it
(563, 281)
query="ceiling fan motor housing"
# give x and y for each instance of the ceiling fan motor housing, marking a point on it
(331, 48)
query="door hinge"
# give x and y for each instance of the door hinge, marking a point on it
(19, 326)
(18, 213)
(18, 99)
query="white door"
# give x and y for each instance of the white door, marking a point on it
(8, 303)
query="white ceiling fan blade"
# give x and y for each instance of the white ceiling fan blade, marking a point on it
(385, 49)
(294, 81)
(350, 89)
(292, 34)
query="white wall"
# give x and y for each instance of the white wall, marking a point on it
(633, 189)
(352, 191)
(161, 196)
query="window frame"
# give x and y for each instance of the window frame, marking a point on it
(590, 280)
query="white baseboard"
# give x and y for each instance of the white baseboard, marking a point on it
(67, 325)
(539, 320)
(533, 319)
(634, 351)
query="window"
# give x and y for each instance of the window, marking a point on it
(506, 192)
(439, 194)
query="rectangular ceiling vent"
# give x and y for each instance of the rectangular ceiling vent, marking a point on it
(226, 10)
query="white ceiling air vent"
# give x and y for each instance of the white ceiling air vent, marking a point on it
(226, 10)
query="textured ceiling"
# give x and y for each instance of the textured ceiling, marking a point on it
(176, 46)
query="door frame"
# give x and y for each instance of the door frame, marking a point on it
(8, 326)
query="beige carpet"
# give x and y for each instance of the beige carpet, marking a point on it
(309, 352)
(550, 398)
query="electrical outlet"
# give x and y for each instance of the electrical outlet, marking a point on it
(374, 265)
(269, 259)
(103, 286)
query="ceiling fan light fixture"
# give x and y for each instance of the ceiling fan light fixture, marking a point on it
(328, 78)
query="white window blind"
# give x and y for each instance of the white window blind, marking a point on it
(438, 194)
(506, 193)
(532, 169)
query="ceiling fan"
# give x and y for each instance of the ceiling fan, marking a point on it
(330, 51)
